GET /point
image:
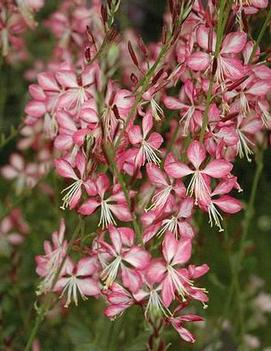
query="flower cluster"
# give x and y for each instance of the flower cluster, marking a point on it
(142, 154)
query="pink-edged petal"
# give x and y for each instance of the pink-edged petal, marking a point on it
(186, 230)
(156, 176)
(90, 187)
(89, 115)
(60, 284)
(175, 168)
(155, 140)
(260, 4)
(86, 266)
(115, 238)
(228, 204)
(67, 79)
(218, 168)
(36, 92)
(196, 153)
(63, 142)
(137, 257)
(121, 211)
(172, 103)
(88, 207)
(224, 186)
(150, 232)
(35, 108)
(47, 81)
(168, 291)
(169, 247)
(198, 61)
(147, 124)
(79, 136)
(64, 169)
(127, 236)
(156, 271)
(65, 120)
(113, 310)
(183, 252)
(197, 271)
(234, 43)
(131, 279)
(185, 334)
(88, 286)
(203, 37)
(102, 184)
(260, 88)
(232, 68)
(186, 207)
(135, 135)
(80, 161)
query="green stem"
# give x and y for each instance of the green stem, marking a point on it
(236, 264)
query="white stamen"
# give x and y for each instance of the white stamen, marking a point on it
(242, 146)
(72, 192)
(215, 217)
(187, 118)
(157, 110)
(150, 152)
(71, 288)
(106, 217)
(110, 272)
(160, 199)
(155, 305)
(176, 279)
(169, 225)
(198, 187)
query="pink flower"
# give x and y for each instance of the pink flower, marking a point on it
(198, 185)
(228, 64)
(169, 273)
(147, 147)
(78, 278)
(122, 255)
(190, 111)
(48, 265)
(114, 204)
(166, 187)
(118, 299)
(224, 202)
(77, 89)
(175, 220)
(74, 191)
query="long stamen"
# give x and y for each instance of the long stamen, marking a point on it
(215, 217)
(72, 192)
(198, 187)
(110, 272)
(106, 217)
(150, 152)
(187, 118)
(242, 146)
(169, 225)
(176, 279)
(155, 305)
(160, 199)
